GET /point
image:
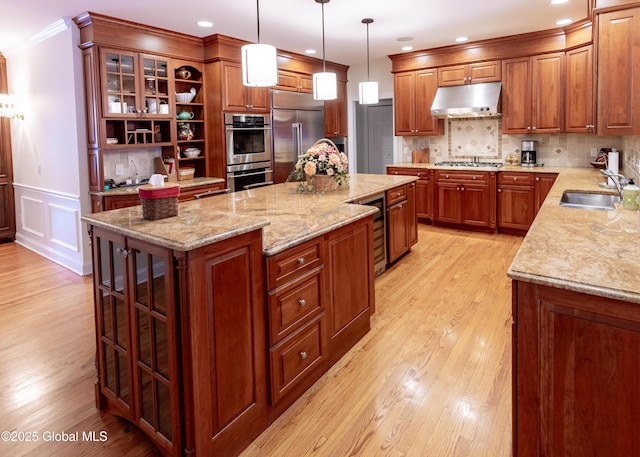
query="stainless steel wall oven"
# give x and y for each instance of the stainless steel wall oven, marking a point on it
(248, 143)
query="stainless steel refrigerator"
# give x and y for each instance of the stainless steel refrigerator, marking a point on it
(297, 123)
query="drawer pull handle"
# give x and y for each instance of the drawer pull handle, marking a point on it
(300, 260)
(302, 302)
(474, 176)
(303, 355)
(446, 176)
(515, 178)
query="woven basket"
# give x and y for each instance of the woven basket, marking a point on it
(159, 208)
(159, 202)
(322, 183)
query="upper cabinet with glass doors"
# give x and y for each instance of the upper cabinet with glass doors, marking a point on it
(135, 85)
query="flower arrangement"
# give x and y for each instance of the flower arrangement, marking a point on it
(323, 159)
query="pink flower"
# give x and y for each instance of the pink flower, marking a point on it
(329, 171)
(334, 159)
(322, 157)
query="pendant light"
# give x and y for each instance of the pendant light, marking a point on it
(325, 86)
(369, 89)
(259, 62)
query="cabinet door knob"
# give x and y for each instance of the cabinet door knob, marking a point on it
(446, 176)
(499, 190)
(534, 128)
(300, 260)
(515, 178)
(537, 179)
(122, 252)
(302, 302)
(303, 355)
(462, 189)
(474, 176)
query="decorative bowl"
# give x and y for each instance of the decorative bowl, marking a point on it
(191, 152)
(184, 97)
(596, 164)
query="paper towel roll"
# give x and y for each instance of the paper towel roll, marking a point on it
(613, 161)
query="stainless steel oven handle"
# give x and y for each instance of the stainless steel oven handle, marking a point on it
(264, 172)
(247, 128)
(258, 184)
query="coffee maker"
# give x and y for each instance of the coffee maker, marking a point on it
(528, 153)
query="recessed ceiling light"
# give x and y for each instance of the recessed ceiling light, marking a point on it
(460, 39)
(564, 22)
(310, 51)
(205, 23)
(407, 48)
(558, 2)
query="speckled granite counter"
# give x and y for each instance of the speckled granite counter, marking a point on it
(195, 182)
(589, 251)
(287, 216)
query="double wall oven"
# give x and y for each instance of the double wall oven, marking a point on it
(248, 138)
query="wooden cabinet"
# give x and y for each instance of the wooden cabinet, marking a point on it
(190, 132)
(414, 92)
(520, 196)
(465, 198)
(350, 299)
(575, 373)
(180, 346)
(296, 82)
(516, 201)
(7, 211)
(478, 72)
(542, 184)
(297, 322)
(532, 94)
(402, 231)
(335, 113)
(238, 98)
(424, 189)
(579, 91)
(618, 65)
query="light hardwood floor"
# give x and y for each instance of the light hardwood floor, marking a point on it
(432, 378)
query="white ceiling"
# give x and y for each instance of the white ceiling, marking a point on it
(295, 25)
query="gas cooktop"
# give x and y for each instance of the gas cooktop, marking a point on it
(469, 164)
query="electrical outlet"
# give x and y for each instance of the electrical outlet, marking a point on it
(594, 152)
(119, 169)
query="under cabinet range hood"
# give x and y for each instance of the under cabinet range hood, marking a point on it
(469, 100)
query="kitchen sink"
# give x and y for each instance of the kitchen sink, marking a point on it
(585, 200)
(469, 164)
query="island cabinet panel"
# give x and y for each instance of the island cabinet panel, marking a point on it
(181, 340)
(618, 66)
(136, 331)
(296, 322)
(576, 373)
(351, 295)
(228, 342)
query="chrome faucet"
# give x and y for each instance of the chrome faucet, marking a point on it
(619, 180)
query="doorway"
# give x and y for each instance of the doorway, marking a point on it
(374, 137)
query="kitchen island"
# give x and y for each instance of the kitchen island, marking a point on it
(576, 334)
(211, 323)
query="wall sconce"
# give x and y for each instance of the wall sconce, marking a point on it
(10, 106)
(325, 85)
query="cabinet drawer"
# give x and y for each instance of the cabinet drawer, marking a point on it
(286, 265)
(397, 194)
(462, 176)
(296, 356)
(524, 179)
(420, 173)
(293, 303)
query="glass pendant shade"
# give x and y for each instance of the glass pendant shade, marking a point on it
(368, 93)
(325, 86)
(259, 65)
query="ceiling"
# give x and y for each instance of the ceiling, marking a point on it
(296, 25)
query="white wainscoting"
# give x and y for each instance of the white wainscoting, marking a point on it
(49, 224)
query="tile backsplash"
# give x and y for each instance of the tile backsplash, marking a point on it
(483, 137)
(143, 163)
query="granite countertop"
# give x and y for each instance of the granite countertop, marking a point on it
(287, 216)
(430, 166)
(129, 190)
(590, 251)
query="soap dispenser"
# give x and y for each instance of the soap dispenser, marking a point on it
(630, 194)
